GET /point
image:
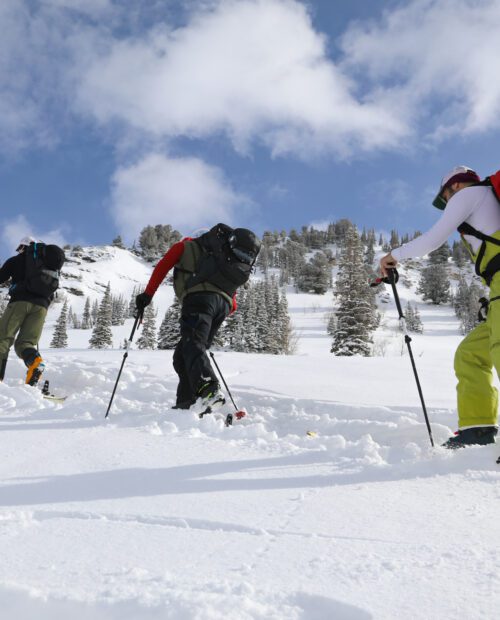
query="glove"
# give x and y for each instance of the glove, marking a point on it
(142, 301)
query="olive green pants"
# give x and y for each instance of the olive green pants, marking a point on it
(476, 357)
(21, 325)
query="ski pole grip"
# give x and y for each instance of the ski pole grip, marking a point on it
(392, 276)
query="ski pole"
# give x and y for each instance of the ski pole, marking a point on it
(239, 413)
(138, 321)
(392, 279)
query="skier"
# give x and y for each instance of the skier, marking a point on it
(472, 207)
(207, 271)
(31, 291)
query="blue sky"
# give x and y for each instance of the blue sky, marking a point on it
(268, 114)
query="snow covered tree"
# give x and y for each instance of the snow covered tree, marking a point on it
(355, 314)
(60, 335)
(315, 276)
(118, 310)
(434, 284)
(131, 306)
(155, 240)
(147, 339)
(86, 317)
(94, 311)
(459, 254)
(441, 255)
(466, 304)
(102, 336)
(394, 241)
(262, 323)
(118, 242)
(169, 332)
(412, 319)
(369, 256)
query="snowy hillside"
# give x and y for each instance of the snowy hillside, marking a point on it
(325, 502)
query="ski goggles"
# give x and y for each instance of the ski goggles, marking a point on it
(458, 174)
(245, 256)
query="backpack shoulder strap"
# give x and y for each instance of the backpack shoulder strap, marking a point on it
(467, 229)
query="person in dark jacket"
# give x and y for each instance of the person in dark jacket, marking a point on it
(22, 322)
(207, 297)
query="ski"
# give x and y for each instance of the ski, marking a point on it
(52, 397)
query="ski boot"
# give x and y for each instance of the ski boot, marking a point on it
(478, 435)
(211, 398)
(35, 371)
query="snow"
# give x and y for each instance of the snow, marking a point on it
(157, 514)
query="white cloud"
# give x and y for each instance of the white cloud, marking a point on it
(91, 7)
(251, 69)
(14, 230)
(186, 193)
(433, 61)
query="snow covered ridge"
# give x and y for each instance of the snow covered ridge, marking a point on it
(88, 271)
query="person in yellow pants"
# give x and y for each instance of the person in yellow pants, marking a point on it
(472, 207)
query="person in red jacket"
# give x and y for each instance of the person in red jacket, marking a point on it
(207, 272)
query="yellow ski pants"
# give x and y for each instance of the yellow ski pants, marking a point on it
(476, 357)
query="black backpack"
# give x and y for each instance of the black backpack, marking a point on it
(43, 266)
(228, 258)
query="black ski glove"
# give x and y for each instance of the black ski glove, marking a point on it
(142, 301)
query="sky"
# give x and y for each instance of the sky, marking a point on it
(267, 114)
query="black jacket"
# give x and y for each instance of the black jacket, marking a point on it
(15, 268)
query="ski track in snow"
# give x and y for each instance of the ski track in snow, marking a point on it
(85, 494)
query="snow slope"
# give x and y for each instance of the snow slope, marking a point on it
(157, 514)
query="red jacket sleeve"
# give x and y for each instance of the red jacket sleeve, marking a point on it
(234, 305)
(170, 259)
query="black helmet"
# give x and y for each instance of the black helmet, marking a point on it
(244, 244)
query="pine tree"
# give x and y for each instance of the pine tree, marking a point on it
(370, 251)
(131, 306)
(412, 319)
(355, 314)
(459, 254)
(169, 332)
(394, 241)
(118, 309)
(434, 284)
(94, 311)
(102, 336)
(147, 339)
(118, 242)
(466, 304)
(262, 323)
(60, 335)
(286, 337)
(315, 276)
(441, 255)
(234, 324)
(86, 318)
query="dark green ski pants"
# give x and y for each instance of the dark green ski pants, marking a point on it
(21, 325)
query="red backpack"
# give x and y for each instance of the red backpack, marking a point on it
(494, 182)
